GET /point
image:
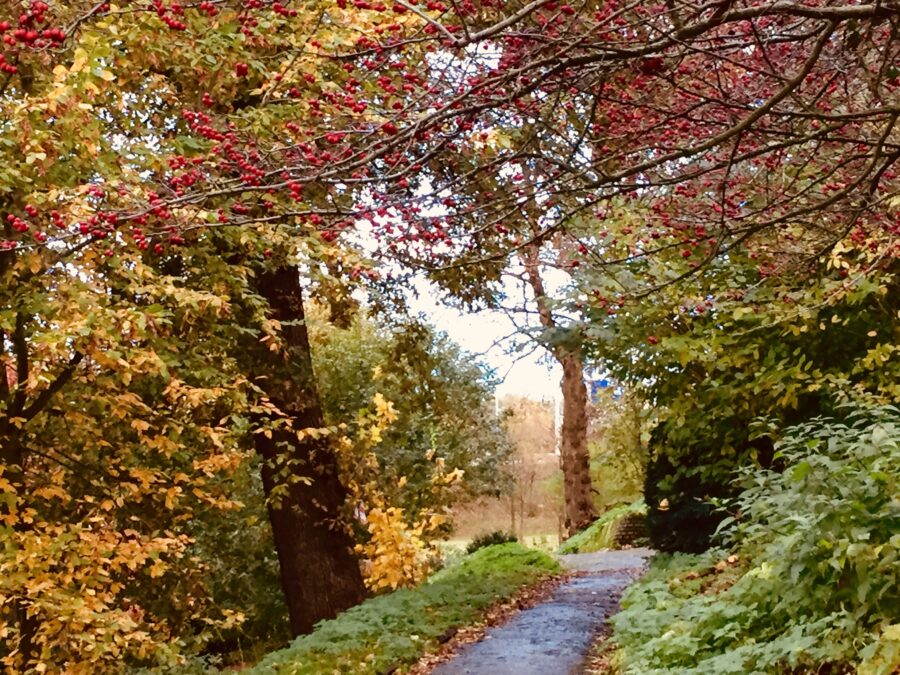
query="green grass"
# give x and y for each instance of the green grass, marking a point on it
(397, 628)
(599, 535)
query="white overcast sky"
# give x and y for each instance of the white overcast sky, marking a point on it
(483, 334)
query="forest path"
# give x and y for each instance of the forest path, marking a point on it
(554, 637)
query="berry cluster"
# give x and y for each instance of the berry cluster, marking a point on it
(208, 8)
(17, 223)
(28, 33)
(170, 15)
(278, 8)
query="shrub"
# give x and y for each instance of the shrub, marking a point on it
(490, 539)
(684, 479)
(812, 576)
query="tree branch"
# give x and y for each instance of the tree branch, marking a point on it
(20, 347)
(44, 398)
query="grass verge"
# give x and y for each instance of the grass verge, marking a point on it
(599, 535)
(394, 630)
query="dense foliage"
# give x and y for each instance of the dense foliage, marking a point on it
(445, 419)
(718, 181)
(124, 421)
(811, 576)
(730, 358)
(395, 629)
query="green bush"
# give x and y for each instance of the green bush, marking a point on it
(601, 533)
(812, 577)
(688, 477)
(397, 628)
(490, 539)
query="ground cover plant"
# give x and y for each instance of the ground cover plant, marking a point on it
(810, 581)
(395, 629)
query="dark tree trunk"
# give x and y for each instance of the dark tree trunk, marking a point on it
(12, 451)
(320, 574)
(576, 459)
(12, 461)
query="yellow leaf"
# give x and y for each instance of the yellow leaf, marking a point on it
(79, 61)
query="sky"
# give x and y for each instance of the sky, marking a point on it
(483, 334)
(528, 374)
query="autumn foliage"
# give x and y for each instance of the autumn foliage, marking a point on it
(161, 158)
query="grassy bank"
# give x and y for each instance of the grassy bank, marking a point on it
(397, 628)
(600, 534)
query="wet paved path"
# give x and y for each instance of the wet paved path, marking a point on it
(554, 637)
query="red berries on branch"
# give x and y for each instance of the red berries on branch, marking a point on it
(279, 8)
(169, 14)
(29, 32)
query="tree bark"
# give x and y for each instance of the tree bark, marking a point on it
(575, 459)
(12, 452)
(320, 574)
(523, 514)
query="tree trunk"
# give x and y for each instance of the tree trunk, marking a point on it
(12, 463)
(12, 452)
(320, 574)
(523, 514)
(576, 459)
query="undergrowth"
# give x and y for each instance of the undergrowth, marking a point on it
(811, 580)
(600, 534)
(490, 539)
(397, 628)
